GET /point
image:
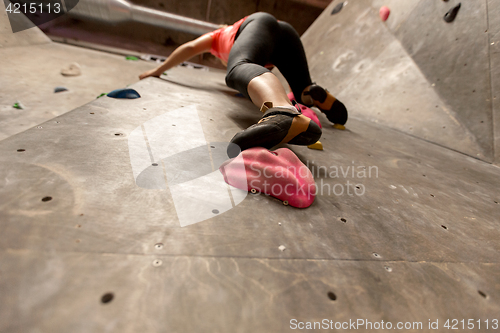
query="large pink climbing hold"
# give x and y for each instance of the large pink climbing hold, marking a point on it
(306, 111)
(384, 13)
(278, 173)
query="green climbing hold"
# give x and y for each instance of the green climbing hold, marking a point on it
(18, 105)
(103, 94)
(131, 58)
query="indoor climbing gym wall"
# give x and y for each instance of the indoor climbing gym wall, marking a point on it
(416, 72)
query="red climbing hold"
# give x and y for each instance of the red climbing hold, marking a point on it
(278, 173)
(384, 13)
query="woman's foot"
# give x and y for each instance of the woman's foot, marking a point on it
(334, 110)
(282, 124)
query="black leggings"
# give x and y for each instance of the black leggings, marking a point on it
(262, 40)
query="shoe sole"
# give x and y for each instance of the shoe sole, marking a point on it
(276, 129)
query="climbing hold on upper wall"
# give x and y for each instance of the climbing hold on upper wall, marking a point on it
(131, 58)
(72, 70)
(59, 89)
(384, 13)
(126, 93)
(452, 13)
(337, 8)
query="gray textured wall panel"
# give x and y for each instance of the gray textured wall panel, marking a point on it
(442, 74)
(454, 57)
(419, 243)
(210, 294)
(494, 57)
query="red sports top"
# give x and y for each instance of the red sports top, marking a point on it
(223, 40)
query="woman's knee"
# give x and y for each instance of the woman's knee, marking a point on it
(263, 16)
(241, 74)
(266, 19)
(288, 30)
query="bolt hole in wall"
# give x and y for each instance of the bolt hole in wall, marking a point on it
(343, 220)
(106, 298)
(21, 150)
(376, 255)
(45, 199)
(482, 294)
(444, 227)
(332, 296)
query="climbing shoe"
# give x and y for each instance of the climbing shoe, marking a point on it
(334, 110)
(280, 124)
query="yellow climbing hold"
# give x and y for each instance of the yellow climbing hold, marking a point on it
(338, 126)
(318, 145)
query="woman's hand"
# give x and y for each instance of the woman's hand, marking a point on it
(153, 72)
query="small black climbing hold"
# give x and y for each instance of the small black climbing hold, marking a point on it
(452, 13)
(126, 93)
(337, 8)
(106, 298)
(59, 89)
(332, 296)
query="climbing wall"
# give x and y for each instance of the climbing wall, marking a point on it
(113, 217)
(414, 72)
(401, 230)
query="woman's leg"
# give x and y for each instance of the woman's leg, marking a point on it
(251, 51)
(267, 88)
(281, 122)
(290, 58)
